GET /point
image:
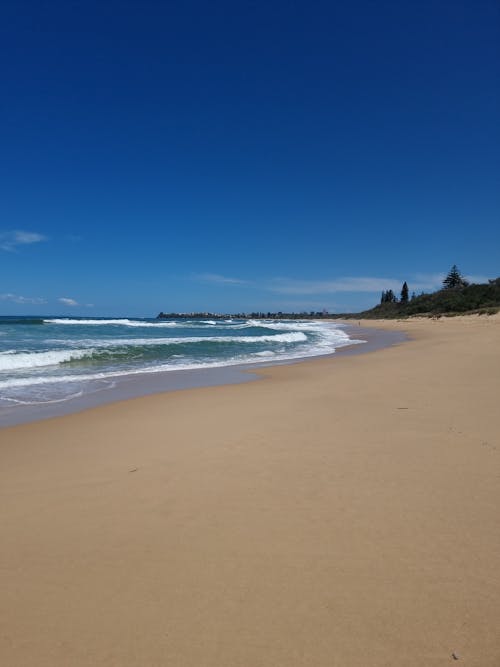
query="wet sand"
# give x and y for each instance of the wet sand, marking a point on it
(341, 511)
(145, 384)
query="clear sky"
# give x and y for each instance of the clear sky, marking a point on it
(244, 156)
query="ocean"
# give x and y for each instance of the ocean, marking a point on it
(49, 360)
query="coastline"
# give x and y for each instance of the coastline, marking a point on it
(343, 510)
(146, 384)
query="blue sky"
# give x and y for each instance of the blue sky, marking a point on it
(238, 156)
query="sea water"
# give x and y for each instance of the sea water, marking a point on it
(48, 359)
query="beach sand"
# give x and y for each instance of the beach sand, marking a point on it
(343, 511)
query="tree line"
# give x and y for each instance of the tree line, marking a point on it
(454, 280)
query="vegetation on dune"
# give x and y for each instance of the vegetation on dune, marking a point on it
(456, 297)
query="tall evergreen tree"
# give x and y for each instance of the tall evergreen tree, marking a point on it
(388, 297)
(454, 279)
(404, 293)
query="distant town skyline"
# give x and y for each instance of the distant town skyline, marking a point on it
(239, 157)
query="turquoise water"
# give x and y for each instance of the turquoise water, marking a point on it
(44, 360)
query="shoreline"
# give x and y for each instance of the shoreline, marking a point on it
(343, 511)
(147, 384)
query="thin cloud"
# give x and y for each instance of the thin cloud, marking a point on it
(67, 301)
(418, 282)
(288, 286)
(426, 281)
(217, 279)
(10, 240)
(301, 306)
(17, 298)
(434, 281)
(477, 279)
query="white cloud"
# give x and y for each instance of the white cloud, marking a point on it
(67, 301)
(477, 279)
(350, 284)
(17, 298)
(426, 281)
(10, 240)
(220, 280)
(287, 286)
(434, 281)
(418, 282)
(302, 305)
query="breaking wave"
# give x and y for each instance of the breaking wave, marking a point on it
(69, 356)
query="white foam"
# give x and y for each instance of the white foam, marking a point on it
(293, 325)
(293, 337)
(46, 401)
(241, 325)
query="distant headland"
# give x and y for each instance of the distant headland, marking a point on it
(244, 316)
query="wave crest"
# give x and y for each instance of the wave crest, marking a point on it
(123, 322)
(25, 360)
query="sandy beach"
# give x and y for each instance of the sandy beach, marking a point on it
(341, 512)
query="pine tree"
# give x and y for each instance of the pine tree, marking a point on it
(454, 279)
(404, 293)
